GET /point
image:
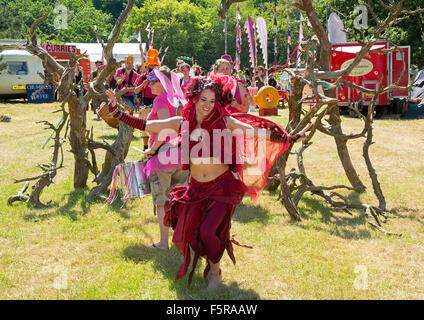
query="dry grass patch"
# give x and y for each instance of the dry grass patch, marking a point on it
(102, 253)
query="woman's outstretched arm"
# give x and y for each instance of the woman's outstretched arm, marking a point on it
(243, 129)
(152, 126)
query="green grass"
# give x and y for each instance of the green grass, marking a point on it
(102, 252)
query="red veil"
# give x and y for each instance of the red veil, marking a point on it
(254, 174)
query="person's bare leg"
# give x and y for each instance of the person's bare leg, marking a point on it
(164, 230)
(214, 276)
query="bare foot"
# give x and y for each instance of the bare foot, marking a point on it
(159, 246)
(215, 279)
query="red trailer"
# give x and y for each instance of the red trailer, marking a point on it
(368, 73)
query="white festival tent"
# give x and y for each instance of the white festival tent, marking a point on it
(120, 51)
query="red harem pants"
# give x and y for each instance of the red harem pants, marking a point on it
(200, 215)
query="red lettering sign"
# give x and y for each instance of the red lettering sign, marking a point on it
(59, 48)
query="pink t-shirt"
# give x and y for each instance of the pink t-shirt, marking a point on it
(185, 85)
(128, 83)
(160, 102)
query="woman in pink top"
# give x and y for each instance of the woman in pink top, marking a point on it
(241, 96)
(185, 79)
(163, 176)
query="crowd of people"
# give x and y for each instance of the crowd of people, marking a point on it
(196, 195)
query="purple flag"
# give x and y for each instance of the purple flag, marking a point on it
(249, 30)
(275, 36)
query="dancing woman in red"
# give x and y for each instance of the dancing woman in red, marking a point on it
(201, 212)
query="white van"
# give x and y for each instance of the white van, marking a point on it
(22, 69)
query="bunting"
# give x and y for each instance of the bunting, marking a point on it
(249, 30)
(263, 39)
(148, 31)
(299, 52)
(225, 32)
(275, 36)
(238, 40)
(151, 40)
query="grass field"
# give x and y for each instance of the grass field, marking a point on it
(80, 250)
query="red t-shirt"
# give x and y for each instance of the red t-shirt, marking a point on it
(127, 82)
(147, 92)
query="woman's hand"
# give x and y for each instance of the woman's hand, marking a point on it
(112, 106)
(149, 152)
(279, 136)
(111, 99)
(235, 104)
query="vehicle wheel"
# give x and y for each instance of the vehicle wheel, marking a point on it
(398, 109)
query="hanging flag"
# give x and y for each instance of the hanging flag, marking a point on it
(254, 42)
(288, 39)
(275, 36)
(238, 40)
(164, 54)
(139, 35)
(249, 30)
(335, 29)
(263, 39)
(151, 40)
(225, 32)
(148, 31)
(299, 53)
(161, 44)
(95, 30)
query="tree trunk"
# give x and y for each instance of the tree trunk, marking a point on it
(285, 191)
(342, 149)
(77, 116)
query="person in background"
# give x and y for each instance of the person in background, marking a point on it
(241, 97)
(185, 80)
(271, 81)
(145, 97)
(198, 71)
(142, 83)
(95, 73)
(166, 176)
(79, 80)
(126, 78)
(110, 82)
(178, 64)
(259, 77)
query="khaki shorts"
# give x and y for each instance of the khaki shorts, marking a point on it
(162, 182)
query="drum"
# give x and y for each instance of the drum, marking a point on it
(267, 97)
(131, 180)
(103, 112)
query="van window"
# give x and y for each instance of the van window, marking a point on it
(17, 67)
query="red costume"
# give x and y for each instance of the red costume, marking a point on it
(201, 213)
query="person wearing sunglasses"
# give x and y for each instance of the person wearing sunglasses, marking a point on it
(163, 178)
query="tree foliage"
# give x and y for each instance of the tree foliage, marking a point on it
(192, 27)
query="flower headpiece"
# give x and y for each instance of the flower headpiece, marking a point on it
(219, 85)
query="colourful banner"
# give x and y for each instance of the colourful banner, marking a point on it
(275, 36)
(238, 40)
(248, 27)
